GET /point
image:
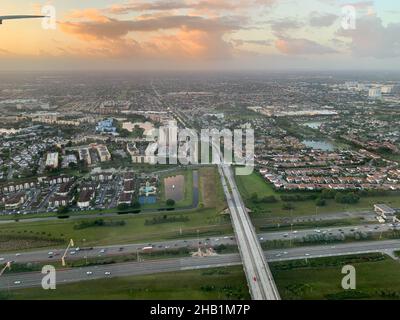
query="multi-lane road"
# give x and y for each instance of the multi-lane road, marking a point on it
(33, 279)
(261, 283)
(259, 277)
(212, 242)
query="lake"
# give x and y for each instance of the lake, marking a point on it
(319, 145)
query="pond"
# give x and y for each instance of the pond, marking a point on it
(175, 188)
(147, 200)
(319, 145)
(195, 189)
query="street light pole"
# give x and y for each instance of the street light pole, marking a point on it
(8, 265)
(198, 241)
(291, 227)
(71, 243)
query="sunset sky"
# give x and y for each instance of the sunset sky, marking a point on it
(201, 34)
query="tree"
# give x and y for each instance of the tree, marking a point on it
(254, 197)
(287, 206)
(347, 198)
(122, 206)
(320, 202)
(136, 205)
(328, 194)
(72, 165)
(170, 202)
(62, 210)
(269, 199)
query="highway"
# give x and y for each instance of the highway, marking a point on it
(261, 283)
(259, 277)
(212, 242)
(33, 279)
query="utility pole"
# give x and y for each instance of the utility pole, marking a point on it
(86, 258)
(137, 255)
(198, 241)
(291, 227)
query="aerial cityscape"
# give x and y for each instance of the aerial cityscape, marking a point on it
(138, 161)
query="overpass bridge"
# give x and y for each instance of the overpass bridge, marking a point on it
(259, 277)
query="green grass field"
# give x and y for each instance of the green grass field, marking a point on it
(208, 284)
(207, 221)
(263, 225)
(377, 277)
(254, 183)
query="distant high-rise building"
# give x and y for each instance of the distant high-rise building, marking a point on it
(387, 89)
(52, 160)
(396, 89)
(361, 87)
(375, 93)
(351, 85)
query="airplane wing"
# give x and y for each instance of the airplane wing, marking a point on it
(14, 17)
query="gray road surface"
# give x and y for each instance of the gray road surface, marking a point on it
(26, 280)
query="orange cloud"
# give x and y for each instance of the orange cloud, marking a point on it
(211, 8)
(176, 36)
(90, 14)
(192, 44)
(301, 47)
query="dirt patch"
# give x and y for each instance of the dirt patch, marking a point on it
(208, 184)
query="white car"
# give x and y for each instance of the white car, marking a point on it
(89, 273)
(307, 254)
(107, 273)
(17, 282)
(50, 253)
(17, 254)
(261, 239)
(72, 252)
(102, 251)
